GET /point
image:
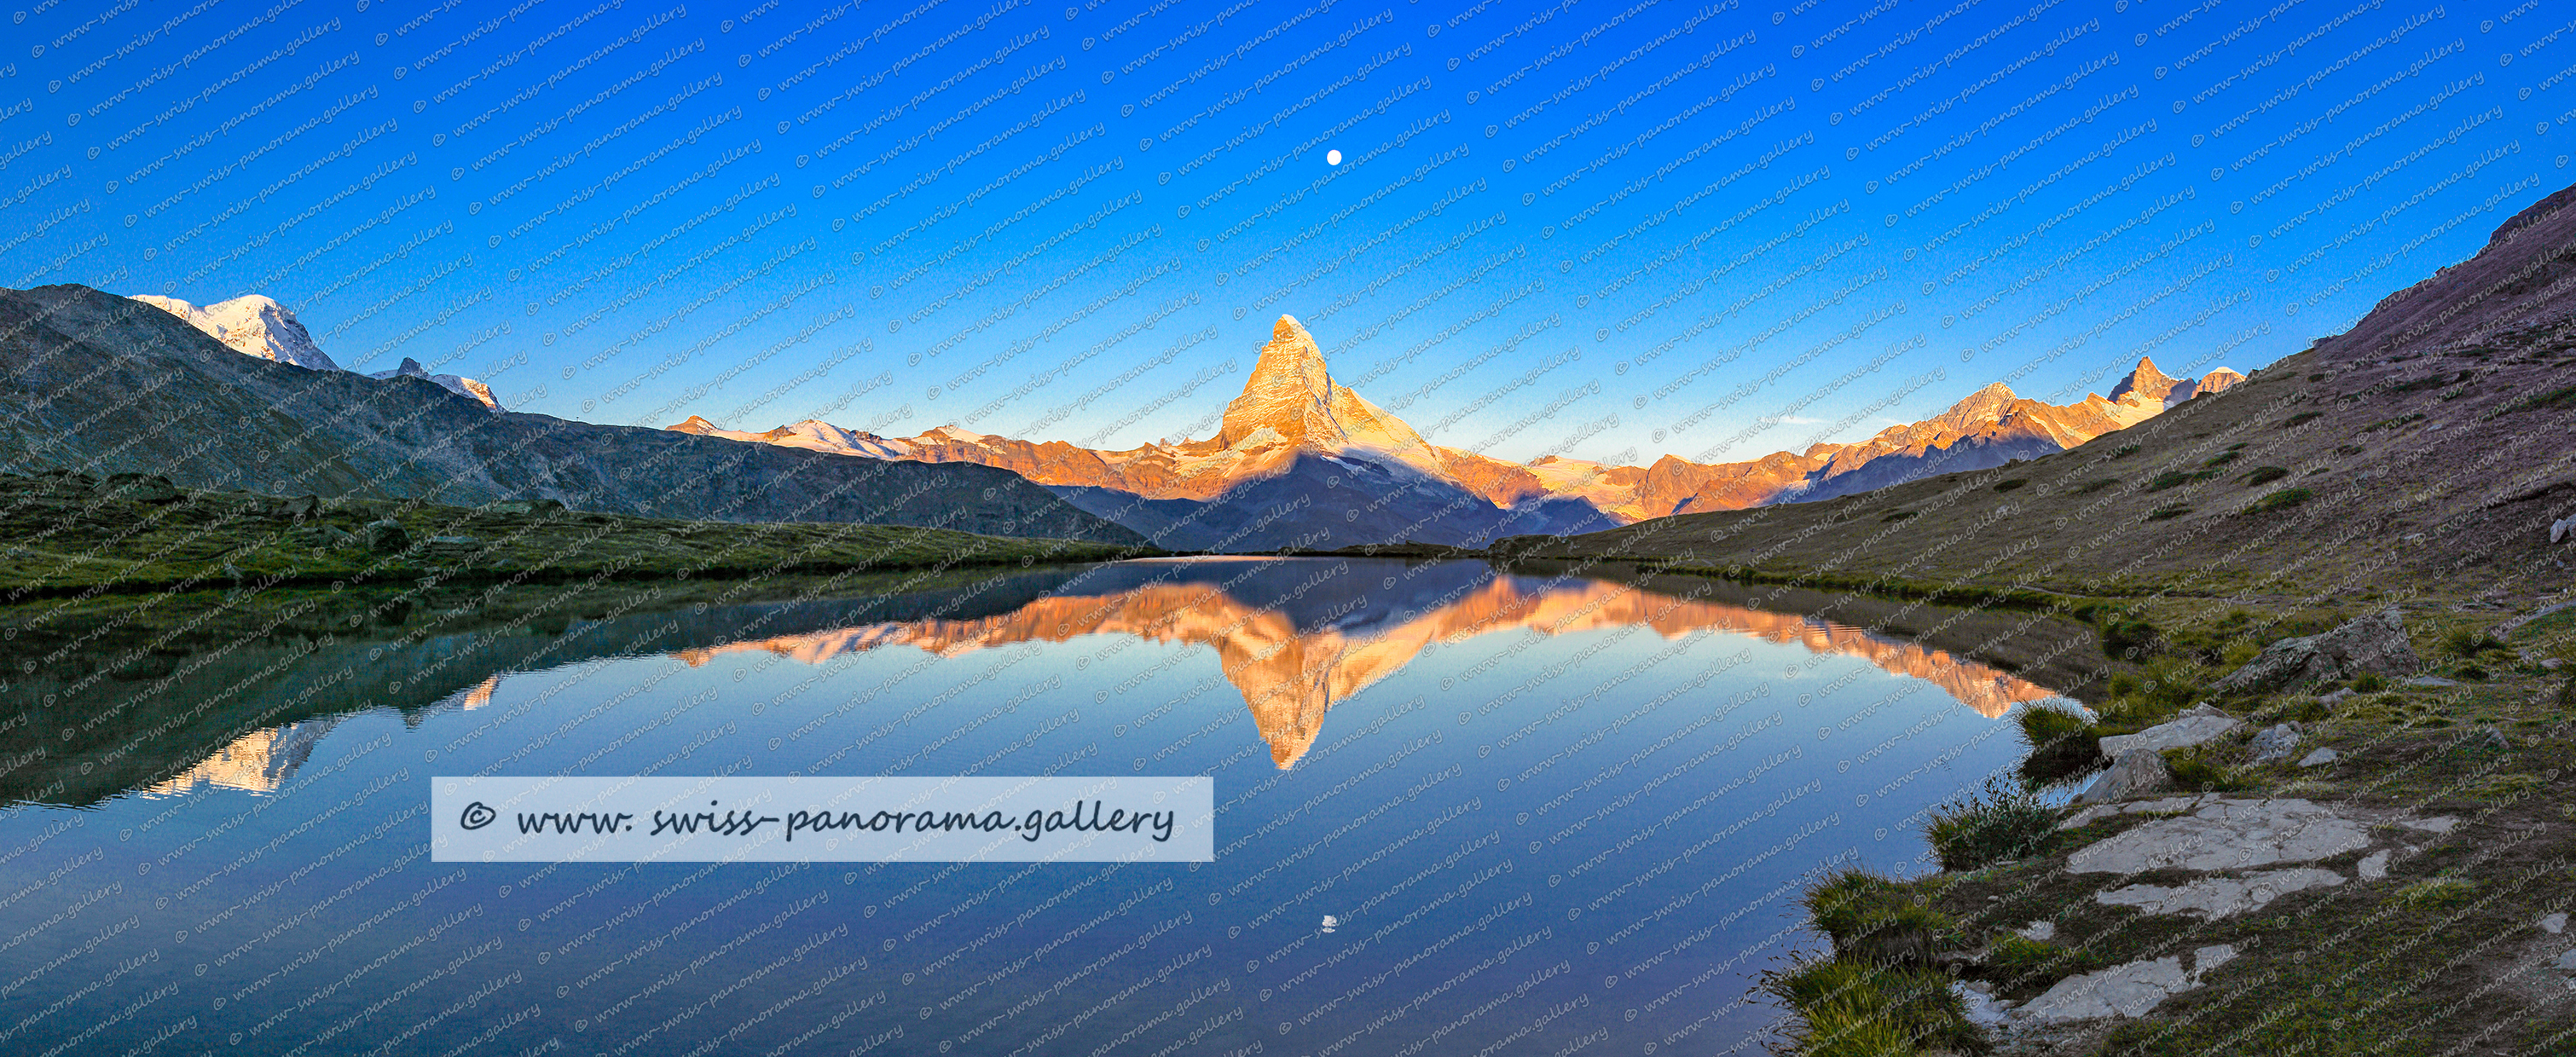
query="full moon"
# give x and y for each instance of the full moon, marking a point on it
(1332, 157)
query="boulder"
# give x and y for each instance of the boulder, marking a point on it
(2131, 774)
(2196, 726)
(2320, 758)
(387, 536)
(323, 537)
(142, 488)
(2275, 743)
(300, 508)
(2375, 643)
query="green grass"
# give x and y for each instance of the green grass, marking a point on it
(2167, 513)
(2095, 485)
(2555, 398)
(2062, 743)
(1856, 1009)
(2391, 423)
(2265, 474)
(2223, 458)
(2169, 479)
(2125, 450)
(1877, 993)
(2471, 643)
(85, 541)
(1994, 824)
(2006, 486)
(2281, 500)
(2302, 417)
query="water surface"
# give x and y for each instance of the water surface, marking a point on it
(1459, 811)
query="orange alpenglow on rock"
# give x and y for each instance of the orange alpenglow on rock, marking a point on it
(1296, 449)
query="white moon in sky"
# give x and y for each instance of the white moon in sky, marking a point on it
(1332, 157)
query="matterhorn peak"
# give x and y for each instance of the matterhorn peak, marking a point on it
(2146, 381)
(1289, 392)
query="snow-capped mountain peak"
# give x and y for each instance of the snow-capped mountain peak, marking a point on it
(254, 325)
(461, 386)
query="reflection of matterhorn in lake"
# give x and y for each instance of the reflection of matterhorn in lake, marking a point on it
(257, 762)
(1299, 636)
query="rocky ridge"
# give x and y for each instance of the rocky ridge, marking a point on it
(1292, 419)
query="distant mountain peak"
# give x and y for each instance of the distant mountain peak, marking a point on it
(695, 425)
(1295, 439)
(253, 325)
(2146, 381)
(1289, 392)
(256, 325)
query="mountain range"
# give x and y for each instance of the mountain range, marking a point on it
(1300, 461)
(99, 384)
(256, 325)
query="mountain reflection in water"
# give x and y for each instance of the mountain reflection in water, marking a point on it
(1296, 639)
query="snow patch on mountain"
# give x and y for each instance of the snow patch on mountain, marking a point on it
(256, 325)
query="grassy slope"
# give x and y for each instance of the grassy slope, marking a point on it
(71, 536)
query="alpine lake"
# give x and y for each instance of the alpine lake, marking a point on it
(1461, 810)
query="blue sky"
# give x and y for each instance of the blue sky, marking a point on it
(1603, 230)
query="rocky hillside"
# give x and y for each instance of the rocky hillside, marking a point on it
(2429, 439)
(99, 384)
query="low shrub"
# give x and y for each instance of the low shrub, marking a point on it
(1900, 515)
(2095, 485)
(2303, 416)
(2281, 500)
(1997, 823)
(2470, 643)
(2128, 639)
(2196, 769)
(2167, 513)
(2265, 474)
(2006, 486)
(2124, 451)
(2168, 479)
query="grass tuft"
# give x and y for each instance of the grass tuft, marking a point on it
(2063, 743)
(1998, 823)
(2265, 474)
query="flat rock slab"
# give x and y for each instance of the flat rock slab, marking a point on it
(2181, 732)
(2226, 835)
(2130, 990)
(2218, 897)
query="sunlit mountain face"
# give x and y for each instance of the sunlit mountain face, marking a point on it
(1298, 637)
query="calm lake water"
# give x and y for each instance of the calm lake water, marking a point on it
(1459, 812)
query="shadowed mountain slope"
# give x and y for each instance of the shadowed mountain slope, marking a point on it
(2430, 439)
(100, 384)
